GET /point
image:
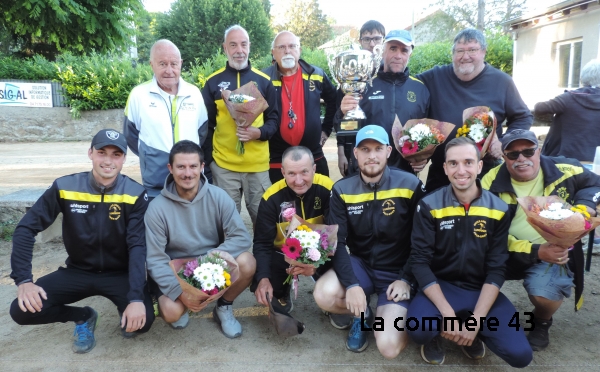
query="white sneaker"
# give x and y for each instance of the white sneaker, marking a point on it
(182, 322)
(229, 325)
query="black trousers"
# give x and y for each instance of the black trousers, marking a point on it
(322, 168)
(68, 285)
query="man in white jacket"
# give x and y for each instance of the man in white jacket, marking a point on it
(188, 219)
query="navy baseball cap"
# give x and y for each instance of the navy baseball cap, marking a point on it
(374, 132)
(518, 134)
(402, 36)
(109, 137)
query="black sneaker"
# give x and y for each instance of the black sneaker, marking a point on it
(539, 339)
(476, 350)
(340, 321)
(433, 351)
(84, 339)
(284, 303)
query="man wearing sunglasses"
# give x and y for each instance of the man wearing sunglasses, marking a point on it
(528, 173)
(300, 88)
(469, 81)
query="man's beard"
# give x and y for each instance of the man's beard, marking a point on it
(288, 63)
(465, 69)
(238, 65)
(372, 173)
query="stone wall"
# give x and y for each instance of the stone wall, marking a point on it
(33, 124)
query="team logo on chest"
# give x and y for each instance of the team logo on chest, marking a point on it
(114, 212)
(388, 207)
(562, 192)
(224, 85)
(317, 203)
(311, 85)
(479, 229)
(411, 96)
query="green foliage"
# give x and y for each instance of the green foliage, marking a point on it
(318, 58)
(305, 19)
(51, 26)
(199, 72)
(499, 54)
(99, 82)
(500, 51)
(197, 26)
(35, 68)
(427, 56)
(145, 24)
(7, 230)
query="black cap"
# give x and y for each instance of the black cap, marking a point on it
(109, 137)
(518, 134)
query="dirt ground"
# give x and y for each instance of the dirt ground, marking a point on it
(574, 336)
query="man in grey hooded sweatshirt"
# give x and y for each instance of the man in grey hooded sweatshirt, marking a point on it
(188, 219)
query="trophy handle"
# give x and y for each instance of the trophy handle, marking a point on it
(331, 62)
(376, 58)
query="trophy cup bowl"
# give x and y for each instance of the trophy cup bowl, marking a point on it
(352, 69)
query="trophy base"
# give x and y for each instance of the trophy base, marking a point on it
(350, 127)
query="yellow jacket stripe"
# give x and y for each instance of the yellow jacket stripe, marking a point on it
(381, 195)
(83, 196)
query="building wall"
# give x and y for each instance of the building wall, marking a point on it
(535, 70)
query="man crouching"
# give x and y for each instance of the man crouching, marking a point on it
(188, 219)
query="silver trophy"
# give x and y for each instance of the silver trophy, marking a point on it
(352, 70)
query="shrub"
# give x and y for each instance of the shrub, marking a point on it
(35, 68)
(99, 82)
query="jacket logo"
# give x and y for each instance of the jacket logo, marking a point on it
(188, 106)
(114, 212)
(595, 198)
(317, 203)
(562, 192)
(79, 208)
(381, 96)
(411, 96)
(146, 196)
(389, 207)
(224, 85)
(355, 209)
(479, 229)
(311, 85)
(376, 92)
(152, 104)
(447, 225)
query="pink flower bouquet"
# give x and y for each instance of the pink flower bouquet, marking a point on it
(418, 138)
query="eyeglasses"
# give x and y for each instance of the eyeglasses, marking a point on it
(471, 52)
(514, 155)
(282, 48)
(376, 39)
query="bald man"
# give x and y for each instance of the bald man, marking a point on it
(161, 112)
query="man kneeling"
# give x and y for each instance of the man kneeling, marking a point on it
(373, 210)
(188, 219)
(459, 254)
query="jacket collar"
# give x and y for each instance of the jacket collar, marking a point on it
(182, 89)
(502, 182)
(454, 199)
(378, 185)
(101, 188)
(394, 76)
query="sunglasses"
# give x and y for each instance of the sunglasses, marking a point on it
(514, 155)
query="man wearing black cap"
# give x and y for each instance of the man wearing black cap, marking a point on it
(528, 173)
(394, 92)
(104, 235)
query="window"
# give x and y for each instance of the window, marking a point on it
(568, 55)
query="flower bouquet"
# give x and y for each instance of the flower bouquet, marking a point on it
(557, 221)
(244, 105)
(307, 244)
(206, 278)
(418, 138)
(479, 124)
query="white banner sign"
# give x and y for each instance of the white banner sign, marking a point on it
(25, 94)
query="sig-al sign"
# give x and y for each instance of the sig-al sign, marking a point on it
(25, 94)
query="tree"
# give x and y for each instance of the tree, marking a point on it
(145, 34)
(51, 26)
(197, 26)
(305, 19)
(482, 14)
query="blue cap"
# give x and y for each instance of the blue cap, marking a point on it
(402, 36)
(374, 132)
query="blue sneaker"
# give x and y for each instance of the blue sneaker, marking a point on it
(84, 333)
(357, 339)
